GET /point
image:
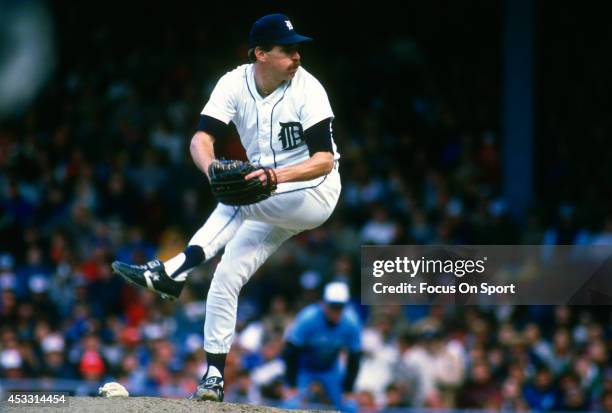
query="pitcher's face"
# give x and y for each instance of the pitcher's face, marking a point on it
(282, 61)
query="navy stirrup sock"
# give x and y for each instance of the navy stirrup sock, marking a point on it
(216, 360)
(194, 256)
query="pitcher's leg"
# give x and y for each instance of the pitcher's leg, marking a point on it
(206, 242)
(252, 244)
(168, 279)
(218, 229)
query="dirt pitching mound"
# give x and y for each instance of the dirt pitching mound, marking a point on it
(146, 404)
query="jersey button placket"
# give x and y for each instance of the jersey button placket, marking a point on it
(264, 132)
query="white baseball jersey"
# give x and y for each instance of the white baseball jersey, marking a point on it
(272, 128)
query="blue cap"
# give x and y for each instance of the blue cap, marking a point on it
(274, 29)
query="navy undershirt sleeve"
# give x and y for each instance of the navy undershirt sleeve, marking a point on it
(212, 126)
(291, 356)
(352, 368)
(319, 137)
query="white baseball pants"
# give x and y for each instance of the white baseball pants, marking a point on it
(250, 235)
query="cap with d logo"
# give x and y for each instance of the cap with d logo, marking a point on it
(274, 29)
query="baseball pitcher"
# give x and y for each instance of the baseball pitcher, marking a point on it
(290, 184)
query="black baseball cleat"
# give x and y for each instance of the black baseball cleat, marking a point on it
(151, 276)
(209, 389)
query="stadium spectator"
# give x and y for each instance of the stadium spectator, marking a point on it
(541, 394)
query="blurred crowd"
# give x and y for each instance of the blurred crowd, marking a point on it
(99, 169)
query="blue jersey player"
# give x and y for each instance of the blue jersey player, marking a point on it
(320, 333)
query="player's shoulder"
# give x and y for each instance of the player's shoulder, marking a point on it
(309, 313)
(351, 317)
(235, 76)
(304, 79)
(241, 70)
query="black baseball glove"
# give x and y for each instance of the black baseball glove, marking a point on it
(229, 186)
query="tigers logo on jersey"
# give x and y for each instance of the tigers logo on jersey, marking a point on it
(291, 135)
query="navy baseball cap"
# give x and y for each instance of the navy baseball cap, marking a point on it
(274, 29)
